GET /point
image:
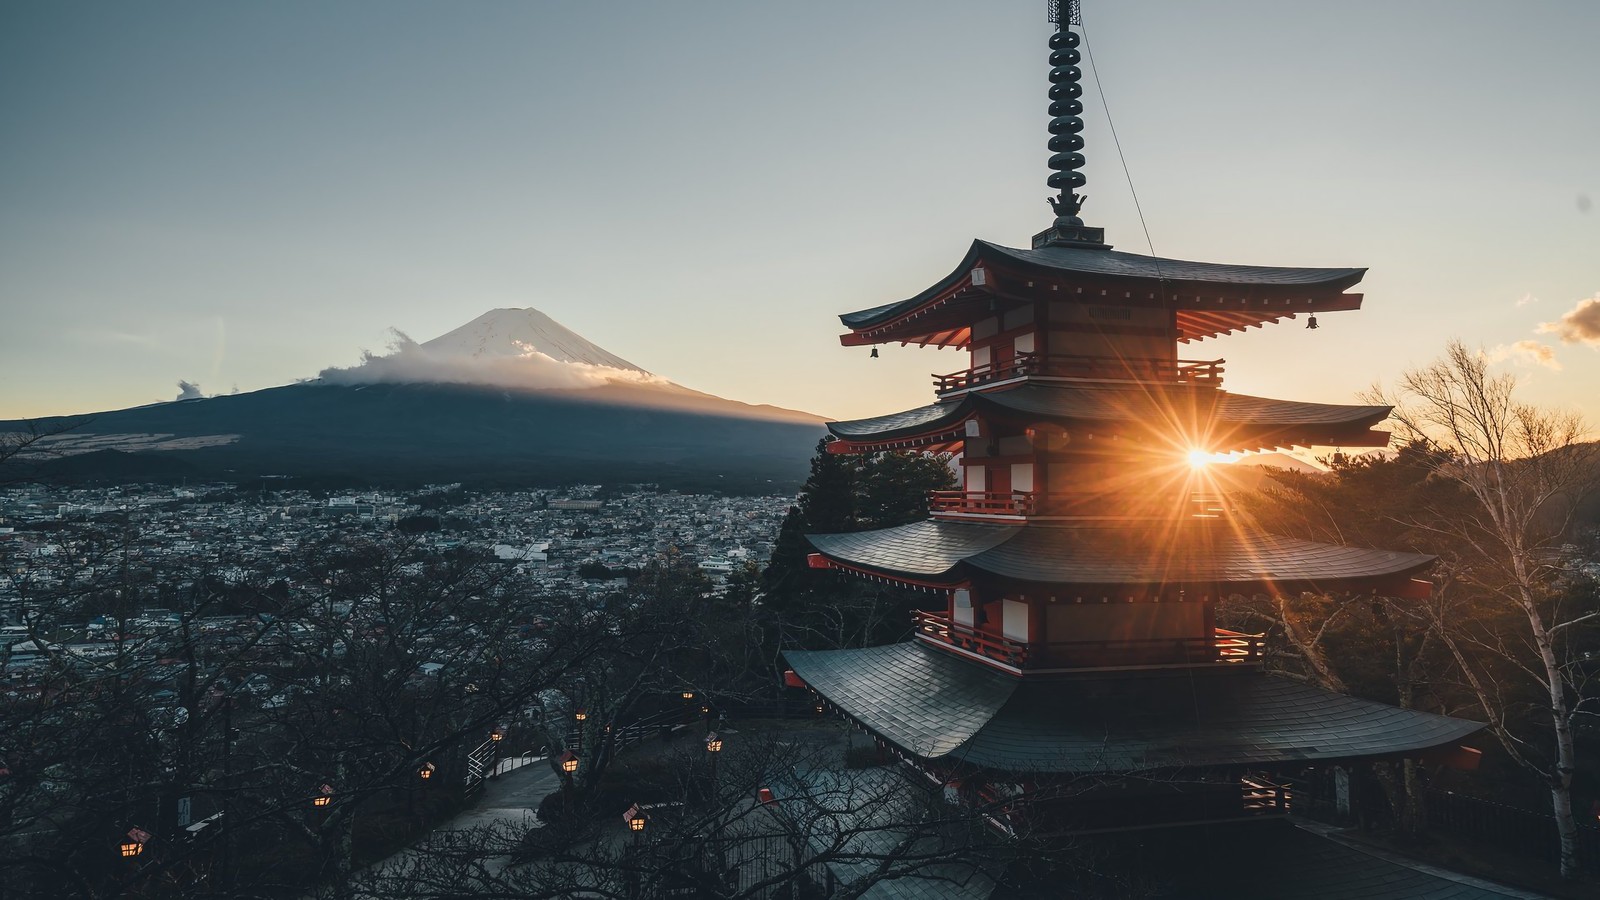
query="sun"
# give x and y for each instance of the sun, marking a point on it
(1199, 459)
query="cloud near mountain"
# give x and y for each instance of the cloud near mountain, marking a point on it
(524, 367)
(1579, 325)
(1526, 352)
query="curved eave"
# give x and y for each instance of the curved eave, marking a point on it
(1234, 561)
(1177, 722)
(1199, 318)
(910, 696)
(1211, 299)
(1093, 560)
(1179, 274)
(939, 708)
(878, 315)
(925, 552)
(1217, 421)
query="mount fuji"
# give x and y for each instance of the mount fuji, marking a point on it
(511, 398)
(516, 332)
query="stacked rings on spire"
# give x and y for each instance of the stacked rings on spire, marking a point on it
(1065, 108)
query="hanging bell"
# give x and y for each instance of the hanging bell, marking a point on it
(1311, 321)
(875, 349)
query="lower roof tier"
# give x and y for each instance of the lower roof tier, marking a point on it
(950, 553)
(1211, 420)
(943, 709)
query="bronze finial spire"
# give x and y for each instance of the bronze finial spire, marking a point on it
(1066, 132)
(1066, 126)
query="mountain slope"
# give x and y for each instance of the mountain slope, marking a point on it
(510, 398)
(514, 332)
(418, 433)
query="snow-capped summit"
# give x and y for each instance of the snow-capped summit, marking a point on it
(514, 332)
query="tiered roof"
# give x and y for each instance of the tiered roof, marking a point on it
(1223, 421)
(1006, 678)
(944, 709)
(1210, 298)
(1235, 561)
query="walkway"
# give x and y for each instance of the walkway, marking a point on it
(509, 796)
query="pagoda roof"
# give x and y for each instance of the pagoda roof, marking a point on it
(1208, 296)
(945, 552)
(940, 707)
(1235, 421)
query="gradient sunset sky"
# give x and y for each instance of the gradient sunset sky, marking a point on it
(243, 194)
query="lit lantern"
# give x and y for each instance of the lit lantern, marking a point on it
(688, 695)
(498, 734)
(426, 771)
(133, 844)
(635, 818)
(324, 796)
(569, 762)
(713, 743)
(580, 715)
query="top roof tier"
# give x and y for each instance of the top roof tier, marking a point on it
(1210, 299)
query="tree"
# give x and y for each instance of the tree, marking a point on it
(824, 830)
(1377, 647)
(21, 451)
(847, 493)
(1525, 473)
(358, 663)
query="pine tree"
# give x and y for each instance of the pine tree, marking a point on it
(847, 493)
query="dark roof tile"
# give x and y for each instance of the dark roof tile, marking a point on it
(1070, 261)
(938, 706)
(1112, 556)
(1163, 408)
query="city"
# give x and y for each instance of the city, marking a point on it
(1246, 545)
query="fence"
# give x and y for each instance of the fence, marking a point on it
(479, 759)
(1519, 831)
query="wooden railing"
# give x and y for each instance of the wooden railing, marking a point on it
(1054, 365)
(1262, 797)
(938, 627)
(994, 503)
(1223, 646)
(1236, 646)
(1153, 805)
(1076, 504)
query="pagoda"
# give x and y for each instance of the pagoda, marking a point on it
(1082, 560)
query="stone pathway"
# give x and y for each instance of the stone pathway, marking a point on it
(508, 799)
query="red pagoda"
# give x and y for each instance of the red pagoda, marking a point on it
(1081, 563)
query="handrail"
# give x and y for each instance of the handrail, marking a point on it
(1019, 503)
(1058, 365)
(993, 646)
(1223, 646)
(1072, 504)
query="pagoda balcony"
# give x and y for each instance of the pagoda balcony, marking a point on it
(1055, 365)
(1121, 806)
(1070, 505)
(982, 503)
(1223, 647)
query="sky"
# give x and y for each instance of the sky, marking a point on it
(241, 195)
